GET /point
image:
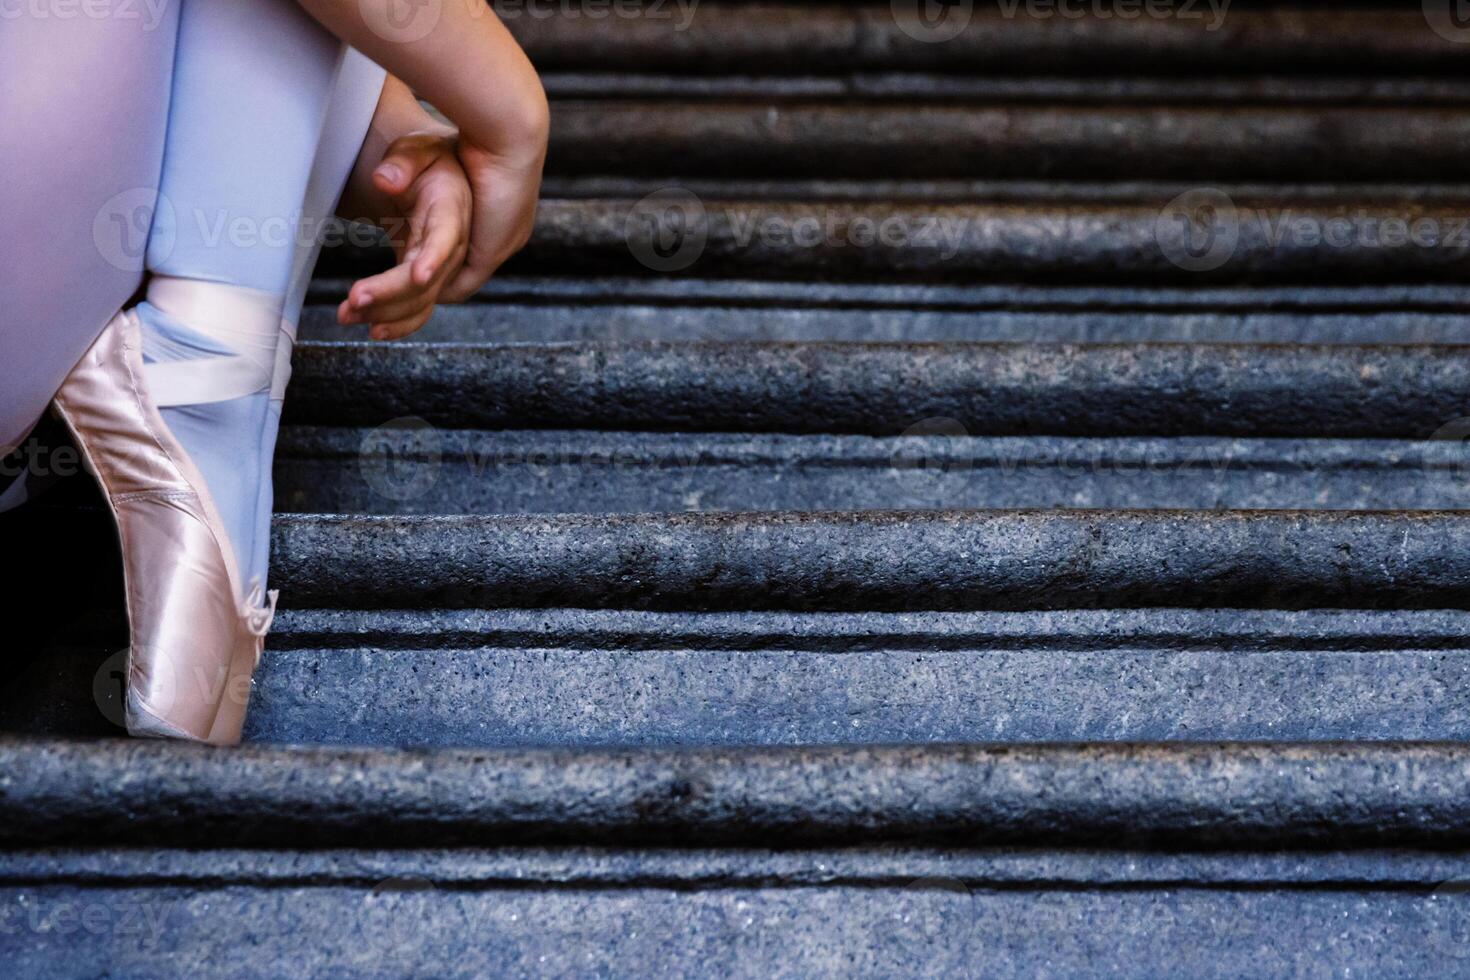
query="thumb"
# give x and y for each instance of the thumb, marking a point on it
(405, 159)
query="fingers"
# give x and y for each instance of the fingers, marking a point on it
(385, 287)
(399, 329)
(445, 227)
(391, 299)
(405, 159)
(392, 306)
(400, 300)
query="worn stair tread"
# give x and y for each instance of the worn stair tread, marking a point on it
(797, 38)
(602, 291)
(568, 321)
(406, 468)
(1339, 795)
(757, 930)
(513, 309)
(841, 561)
(846, 561)
(1265, 390)
(1239, 630)
(1024, 140)
(866, 867)
(1203, 237)
(882, 560)
(930, 88)
(588, 696)
(410, 468)
(588, 678)
(993, 190)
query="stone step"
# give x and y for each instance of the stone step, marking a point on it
(864, 678)
(1201, 238)
(932, 88)
(1054, 142)
(1341, 795)
(848, 561)
(883, 389)
(756, 913)
(881, 560)
(588, 678)
(749, 862)
(879, 190)
(713, 38)
(570, 310)
(893, 561)
(410, 468)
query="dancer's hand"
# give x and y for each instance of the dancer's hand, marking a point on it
(505, 192)
(469, 66)
(429, 201)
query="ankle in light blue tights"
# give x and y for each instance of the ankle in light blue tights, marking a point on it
(245, 124)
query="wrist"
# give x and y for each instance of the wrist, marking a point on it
(515, 132)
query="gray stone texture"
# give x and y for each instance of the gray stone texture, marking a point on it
(1408, 795)
(1037, 591)
(1264, 390)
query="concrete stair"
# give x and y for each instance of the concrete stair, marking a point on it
(1072, 581)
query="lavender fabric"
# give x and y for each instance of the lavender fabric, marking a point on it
(83, 109)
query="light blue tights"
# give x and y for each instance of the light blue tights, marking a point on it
(247, 180)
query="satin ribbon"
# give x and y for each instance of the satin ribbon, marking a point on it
(246, 321)
(259, 610)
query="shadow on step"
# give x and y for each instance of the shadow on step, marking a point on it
(66, 627)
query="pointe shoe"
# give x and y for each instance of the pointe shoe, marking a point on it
(193, 632)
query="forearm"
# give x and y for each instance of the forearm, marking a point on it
(466, 64)
(398, 114)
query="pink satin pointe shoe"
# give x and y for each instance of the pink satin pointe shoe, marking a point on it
(195, 636)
